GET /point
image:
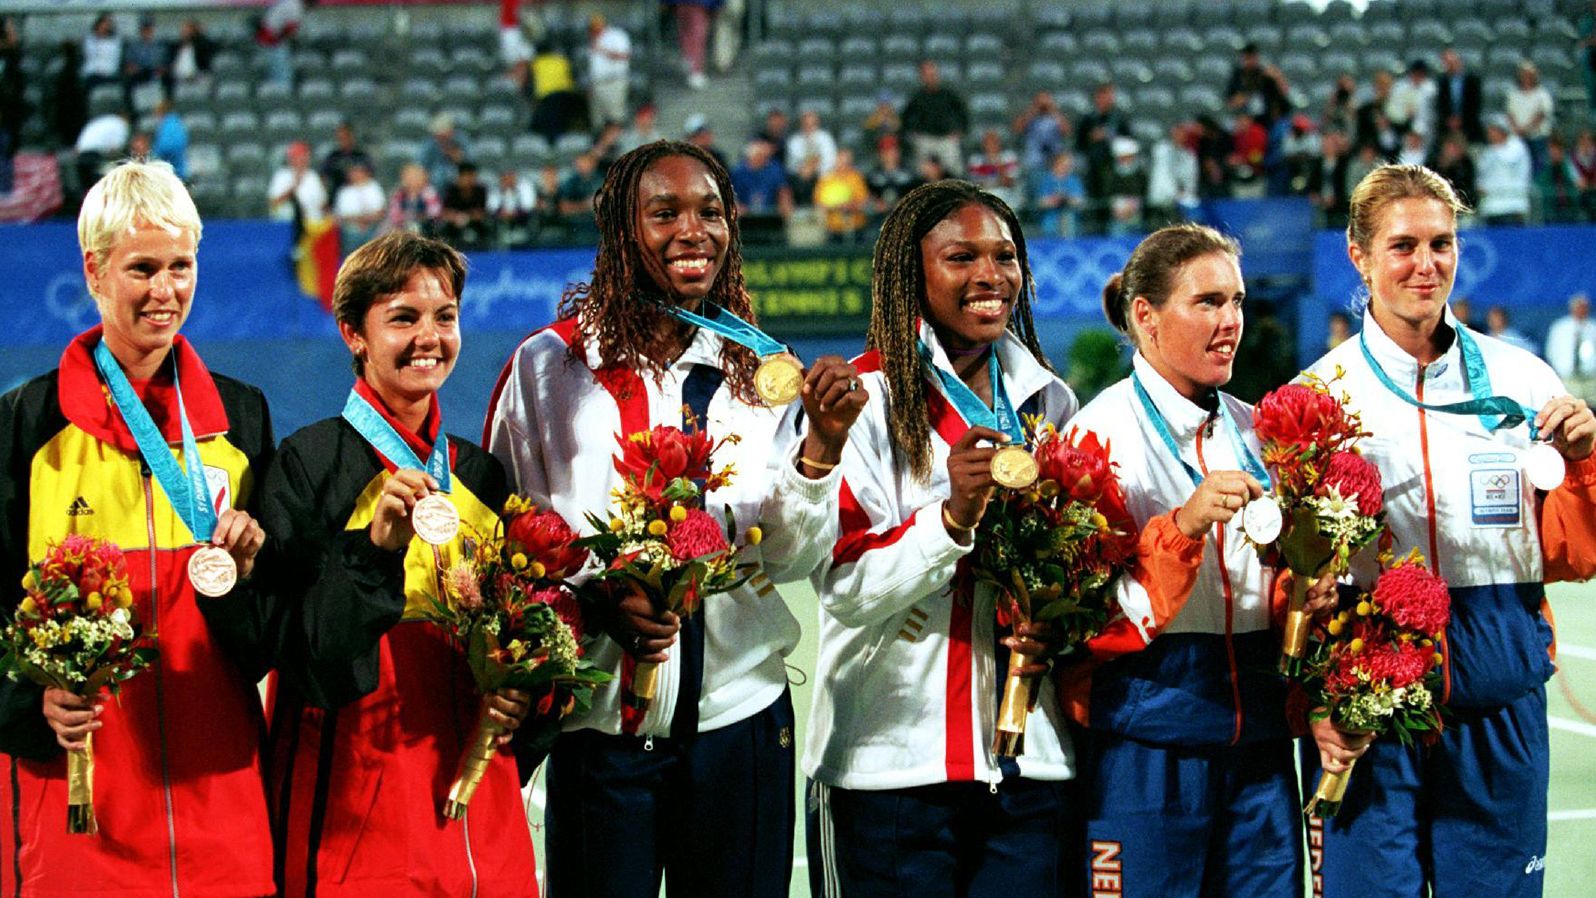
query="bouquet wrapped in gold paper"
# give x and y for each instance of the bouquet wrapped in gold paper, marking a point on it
(509, 607)
(76, 629)
(1052, 552)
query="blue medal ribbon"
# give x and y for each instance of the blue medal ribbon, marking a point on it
(732, 328)
(1485, 405)
(1000, 416)
(183, 482)
(1244, 455)
(370, 424)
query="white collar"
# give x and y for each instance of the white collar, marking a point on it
(1183, 416)
(1397, 363)
(1023, 376)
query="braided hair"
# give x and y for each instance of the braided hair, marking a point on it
(615, 307)
(898, 302)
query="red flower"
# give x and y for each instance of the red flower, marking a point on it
(1352, 475)
(564, 605)
(1300, 415)
(547, 539)
(1080, 467)
(1397, 665)
(696, 536)
(651, 459)
(1414, 598)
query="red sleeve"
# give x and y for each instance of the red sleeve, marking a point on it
(1568, 525)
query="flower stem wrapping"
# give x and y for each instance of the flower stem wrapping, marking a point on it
(1018, 693)
(1294, 643)
(1332, 788)
(644, 686)
(80, 789)
(473, 764)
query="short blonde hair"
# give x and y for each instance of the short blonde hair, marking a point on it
(132, 192)
(1387, 184)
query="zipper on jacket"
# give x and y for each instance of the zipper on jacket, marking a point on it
(471, 861)
(1230, 598)
(1429, 507)
(160, 692)
(648, 742)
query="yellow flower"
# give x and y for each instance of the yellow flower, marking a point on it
(1355, 646)
(1335, 627)
(1438, 658)
(617, 525)
(657, 527)
(94, 601)
(30, 581)
(29, 606)
(124, 597)
(678, 514)
(517, 649)
(1100, 522)
(755, 536)
(518, 561)
(537, 570)
(1364, 608)
(41, 638)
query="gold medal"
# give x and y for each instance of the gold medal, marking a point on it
(212, 571)
(435, 519)
(779, 379)
(1014, 467)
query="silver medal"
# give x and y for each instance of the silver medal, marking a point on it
(435, 519)
(1544, 466)
(1261, 520)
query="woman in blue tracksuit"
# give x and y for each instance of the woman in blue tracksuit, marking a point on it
(1466, 815)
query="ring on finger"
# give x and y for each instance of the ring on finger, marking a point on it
(853, 385)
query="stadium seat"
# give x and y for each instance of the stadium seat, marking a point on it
(1102, 44)
(1270, 38)
(1471, 32)
(858, 49)
(1172, 71)
(985, 74)
(1349, 36)
(1311, 36)
(861, 75)
(1387, 34)
(1140, 42)
(1223, 38)
(428, 61)
(1046, 74)
(1182, 41)
(817, 50)
(317, 90)
(1057, 45)
(900, 48)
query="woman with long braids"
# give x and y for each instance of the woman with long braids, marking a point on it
(906, 795)
(700, 786)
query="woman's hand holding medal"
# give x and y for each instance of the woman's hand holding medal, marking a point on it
(391, 524)
(833, 397)
(970, 480)
(1568, 423)
(240, 536)
(1220, 496)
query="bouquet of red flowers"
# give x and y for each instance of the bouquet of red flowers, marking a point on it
(76, 630)
(658, 538)
(1375, 668)
(1052, 552)
(1328, 496)
(508, 605)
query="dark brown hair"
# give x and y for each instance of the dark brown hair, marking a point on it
(383, 267)
(898, 299)
(614, 308)
(1150, 270)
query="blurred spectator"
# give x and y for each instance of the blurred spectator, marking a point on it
(145, 62)
(607, 145)
(882, 120)
(841, 193)
(1364, 160)
(1328, 187)
(511, 205)
(546, 215)
(1293, 150)
(692, 33)
(1254, 90)
(65, 99)
(275, 37)
(345, 154)
(296, 192)
(1454, 163)
(1571, 348)
(1213, 149)
(1127, 187)
(931, 170)
(1061, 195)
(1043, 132)
(1584, 161)
(644, 130)
(1412, 103)
(138, 146)
(1500, 326)
(701, 135)
(444, 153)
(192, 55)
(1249, 143)
(1458, 100)
(935, 119)
(414, 205)
(1587, 53)
(578, 188)
(1413, 151)
(889, 179)
(465, 209)
(1529, 111)
(997, 169)
(1172, 176)
(1374, 116)
(1557, 184)
(811, 142)
(359, 205)
(13, 102)
(515, 42)
(1341, 109)
(102, 54)
(557, 106)
(802, 180)
(1093, 134)
(609, 68)
(1338, 329)
(760, 183)
(171, 138)
(1463, 311)
(1503, 173)
(774, 132)
(103, 139)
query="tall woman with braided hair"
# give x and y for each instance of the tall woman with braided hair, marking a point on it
(906, 795)
(648, 340)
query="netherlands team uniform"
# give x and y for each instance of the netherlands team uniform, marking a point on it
(908, 680)
(717, 742)
(1467, 814)
(1189, 767)
(375, 704)
(178, 795)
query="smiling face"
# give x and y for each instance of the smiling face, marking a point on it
(409, 340)
(1191, 339)
(682, 228)
(144, 287)
(1409, 264)
(972, 277)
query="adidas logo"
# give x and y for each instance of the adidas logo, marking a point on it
(79, 506)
